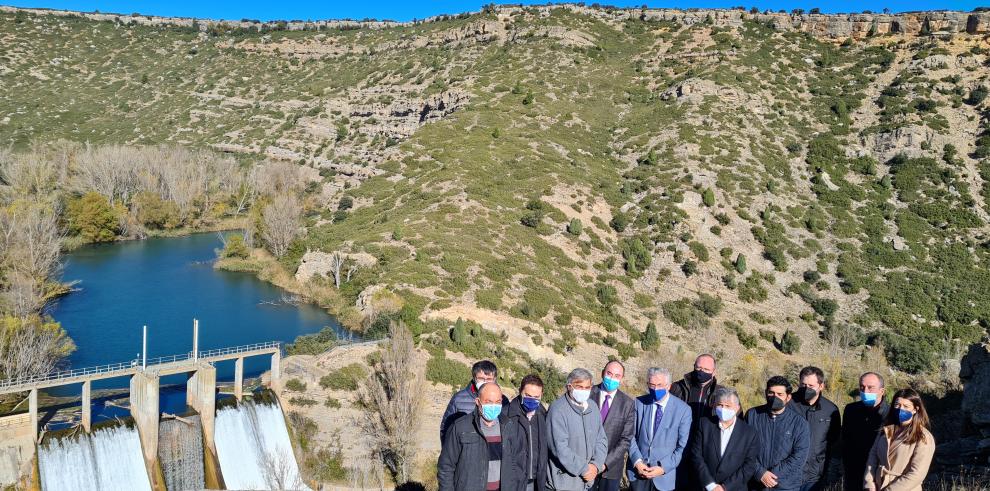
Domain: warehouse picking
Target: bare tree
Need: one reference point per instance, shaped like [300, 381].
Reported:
[29, 347]
[279, 471]
[273, 178]
[24, 294]
[282, 223]
[108, 170]
[243, 192]
[239, 186]
[392, 397]
[32, 240]
[35, 173]
[249, 232]
[336, 265]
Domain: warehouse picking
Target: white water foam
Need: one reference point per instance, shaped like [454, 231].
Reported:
[108, 458]
[253, 448]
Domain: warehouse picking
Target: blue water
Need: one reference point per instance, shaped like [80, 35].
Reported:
[165, 283]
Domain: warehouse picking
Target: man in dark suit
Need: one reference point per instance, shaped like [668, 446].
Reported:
[861, 422]
[724, 449]
[618, 412]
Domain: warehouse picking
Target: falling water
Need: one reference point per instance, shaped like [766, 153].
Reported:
[253, 448]
[180, 452]
[108, 458]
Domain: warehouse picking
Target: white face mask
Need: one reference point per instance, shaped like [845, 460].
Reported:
[580, 396]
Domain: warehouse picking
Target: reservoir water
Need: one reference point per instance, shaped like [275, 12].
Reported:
[165, 283]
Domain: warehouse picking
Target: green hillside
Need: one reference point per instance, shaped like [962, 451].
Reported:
[583, 172]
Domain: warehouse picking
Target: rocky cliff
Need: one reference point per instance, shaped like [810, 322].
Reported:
[975, 375]
[820, 25]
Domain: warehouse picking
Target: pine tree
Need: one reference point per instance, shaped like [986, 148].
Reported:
[708, 197]
[650, 338]
[459, 333]
[741, 264]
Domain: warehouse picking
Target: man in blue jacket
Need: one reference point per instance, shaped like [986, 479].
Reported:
[785, 439]
[663, 425]
[463, 402]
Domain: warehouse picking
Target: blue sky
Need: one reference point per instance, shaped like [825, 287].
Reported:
[408, 10]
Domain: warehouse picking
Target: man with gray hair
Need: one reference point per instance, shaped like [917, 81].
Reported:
[663, 425]
[577, 440]
[724, 449]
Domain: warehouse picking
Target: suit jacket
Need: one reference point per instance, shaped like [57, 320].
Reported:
[619, 426]
[740, 461]
[895, 465]
[664, 448]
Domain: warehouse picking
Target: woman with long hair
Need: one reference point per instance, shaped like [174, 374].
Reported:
[903, 450]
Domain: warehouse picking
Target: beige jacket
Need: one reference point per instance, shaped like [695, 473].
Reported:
[895, 465]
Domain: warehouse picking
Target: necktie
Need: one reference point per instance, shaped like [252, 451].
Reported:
[605, 407]
[657, 416]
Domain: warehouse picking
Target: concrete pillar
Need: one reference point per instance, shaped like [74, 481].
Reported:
[33, 411]
[239, 378]
[276, 373]
[144, 410]
[201, 395]
[87, 405]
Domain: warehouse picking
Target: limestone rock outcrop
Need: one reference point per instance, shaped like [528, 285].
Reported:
[974, 448]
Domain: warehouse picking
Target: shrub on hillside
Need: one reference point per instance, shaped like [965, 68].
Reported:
[790, 343]
[685, 314]
[295, 385]
[708, 197]
[574, 227]
[708, 304]
[445, 371]
[345, 378]
[637, 256]
[619, 222]
[607, 296]
[313, 344]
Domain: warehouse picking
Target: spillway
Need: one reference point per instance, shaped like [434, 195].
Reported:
[107, 458]
[253, 447]
[180, 453]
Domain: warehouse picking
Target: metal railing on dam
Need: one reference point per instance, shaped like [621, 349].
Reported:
[171, 363]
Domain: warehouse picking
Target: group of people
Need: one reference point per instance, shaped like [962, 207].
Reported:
[689, 434]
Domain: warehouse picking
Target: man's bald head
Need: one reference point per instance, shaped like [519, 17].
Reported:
[490, 393]
[706, 361]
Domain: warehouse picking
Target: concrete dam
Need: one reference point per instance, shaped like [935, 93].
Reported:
[238, 442]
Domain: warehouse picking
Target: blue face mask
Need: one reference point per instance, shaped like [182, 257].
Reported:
[868, 398]
[658, 394]
[724, 414]
[903, 415]
[491, 411]
[530, 404]
[610, 384]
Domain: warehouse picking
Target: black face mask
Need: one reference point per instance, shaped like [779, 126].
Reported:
[775, 403]
[807, 394]
[701, 377]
